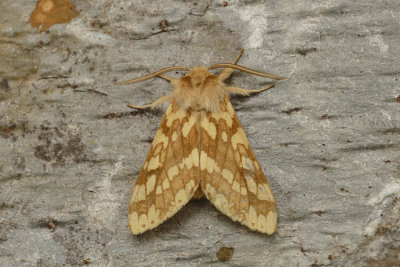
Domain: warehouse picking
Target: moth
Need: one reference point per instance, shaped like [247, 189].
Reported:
[200, 149]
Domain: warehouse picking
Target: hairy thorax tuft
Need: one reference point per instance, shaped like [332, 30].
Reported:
[199, 90]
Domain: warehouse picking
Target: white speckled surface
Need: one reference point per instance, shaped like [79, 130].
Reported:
[328, 138]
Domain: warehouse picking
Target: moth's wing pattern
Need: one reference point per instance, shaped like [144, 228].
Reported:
[170, 174]
[231, 177]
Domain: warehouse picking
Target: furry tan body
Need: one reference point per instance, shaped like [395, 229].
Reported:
[199, 90]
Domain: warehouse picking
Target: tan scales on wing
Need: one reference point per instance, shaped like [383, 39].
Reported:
[231, 177]
[169, 176]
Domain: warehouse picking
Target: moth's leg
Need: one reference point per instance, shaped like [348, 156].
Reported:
[225, 73]
[242, 91]
[154, 104]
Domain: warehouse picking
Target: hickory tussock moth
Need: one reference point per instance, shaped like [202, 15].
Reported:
[201, 148]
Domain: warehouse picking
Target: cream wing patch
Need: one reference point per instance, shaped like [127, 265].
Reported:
[231, 177]
[170, 174]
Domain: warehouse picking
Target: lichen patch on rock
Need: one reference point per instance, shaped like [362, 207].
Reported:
[50, 12]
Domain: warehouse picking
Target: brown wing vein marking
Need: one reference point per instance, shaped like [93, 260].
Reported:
[170, 174]
[231, 177]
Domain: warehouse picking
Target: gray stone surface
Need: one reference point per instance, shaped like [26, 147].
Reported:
[328, 138]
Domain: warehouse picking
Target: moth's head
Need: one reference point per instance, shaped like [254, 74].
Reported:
[197, 79]
[199, 89]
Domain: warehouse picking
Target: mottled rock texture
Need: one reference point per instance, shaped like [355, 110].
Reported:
[328, 138]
